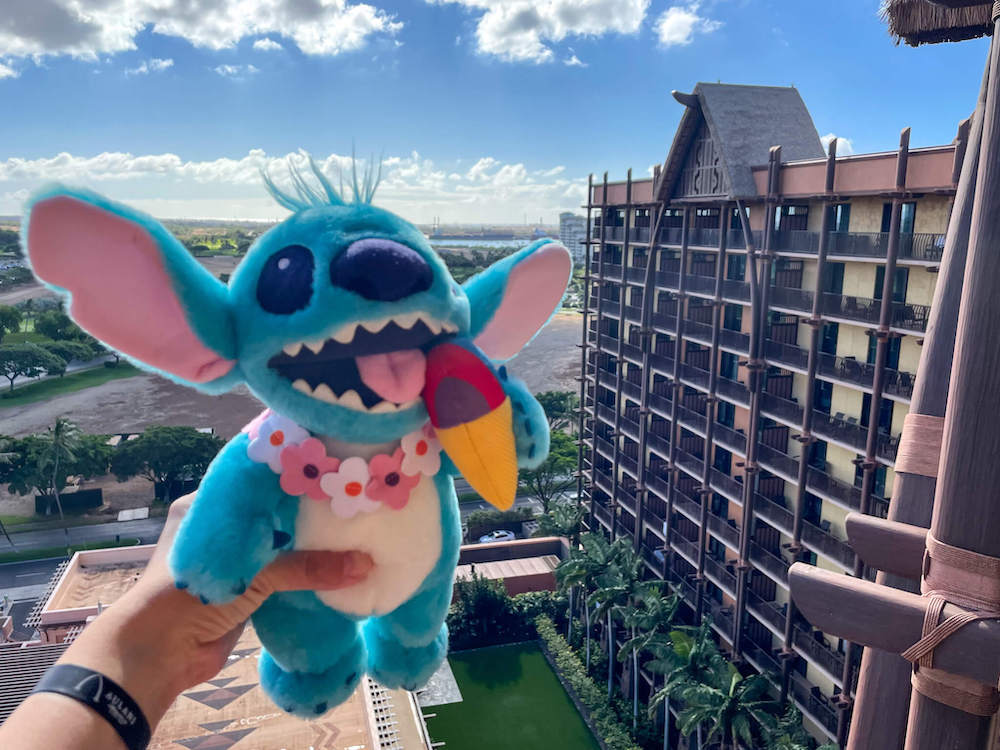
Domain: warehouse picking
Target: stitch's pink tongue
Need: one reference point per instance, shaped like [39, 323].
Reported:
[395, 376]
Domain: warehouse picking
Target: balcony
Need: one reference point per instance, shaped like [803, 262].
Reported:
[775, 567]
[919, 247]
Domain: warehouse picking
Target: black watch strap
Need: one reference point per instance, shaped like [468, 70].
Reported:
[104, 696]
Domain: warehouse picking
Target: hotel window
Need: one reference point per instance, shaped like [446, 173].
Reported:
[878, 487]
[793, 218]
[732, 317]
[706, 218]
[841, 217]
[906, 217]
[884, 412]
[726, 413]
[899, 283]
[833, 278]
[736, 267]
[823, 398]
[729, 365]
[723, 460]
[891, 355]
[828, 338]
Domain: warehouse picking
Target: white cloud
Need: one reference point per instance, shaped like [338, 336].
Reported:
[235, 71]
[267, 45]
[154, 65]
[7, 72]
[523, 30]
[678, 25]
[574, 61]
[89, 28]
[845, 146]
[412, 186]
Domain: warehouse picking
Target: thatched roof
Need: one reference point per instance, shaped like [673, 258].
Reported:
[919, 22]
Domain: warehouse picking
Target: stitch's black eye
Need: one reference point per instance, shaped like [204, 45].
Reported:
[286, 282]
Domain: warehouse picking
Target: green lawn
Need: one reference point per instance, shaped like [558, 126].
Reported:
[31, 392]
[25, 337]
[512, 700]
[46, 552]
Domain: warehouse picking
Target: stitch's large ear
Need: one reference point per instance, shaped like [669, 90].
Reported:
[131, 284]
[512, 299]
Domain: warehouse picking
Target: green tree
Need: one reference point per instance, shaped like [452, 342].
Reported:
[555, 474]
[57, 325]
[561, 408]
[582, 569]
[563, 519]
[10, 320]
[736, 709]
[56, 459]
[649, 623]
[165, 455]
[788, 732]
[29, 361]
[68, 350]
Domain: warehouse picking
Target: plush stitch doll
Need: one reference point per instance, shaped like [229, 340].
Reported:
[381, 379]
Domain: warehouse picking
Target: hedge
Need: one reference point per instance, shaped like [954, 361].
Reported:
[613, 735]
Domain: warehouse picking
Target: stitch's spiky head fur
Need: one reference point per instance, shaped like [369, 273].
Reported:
[327, 226]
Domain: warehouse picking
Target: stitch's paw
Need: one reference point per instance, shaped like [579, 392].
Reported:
[309, 694]
[396, 666]
[219, 569]
[531, 428]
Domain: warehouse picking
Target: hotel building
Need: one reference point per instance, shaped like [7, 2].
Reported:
[730, 421]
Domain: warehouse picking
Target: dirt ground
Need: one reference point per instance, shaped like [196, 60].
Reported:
[550, 362]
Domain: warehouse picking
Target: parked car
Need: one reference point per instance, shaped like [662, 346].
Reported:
[501, 535]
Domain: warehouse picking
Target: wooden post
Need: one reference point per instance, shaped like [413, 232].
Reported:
[645, 325]
[966, 513]
[583, 347]
[675, 382]
[815, 322]
[883, 697]
[705, 491]
[619, 361]
[600, 299]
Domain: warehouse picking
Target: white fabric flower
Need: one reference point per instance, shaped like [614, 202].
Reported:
[421, 454]
[274, 435]
[347, 488]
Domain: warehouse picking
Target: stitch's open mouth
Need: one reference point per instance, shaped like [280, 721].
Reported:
[375, 366]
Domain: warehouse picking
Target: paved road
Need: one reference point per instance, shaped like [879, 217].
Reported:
[31, 573]
[148, 530]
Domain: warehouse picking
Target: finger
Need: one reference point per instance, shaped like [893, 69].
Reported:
[178, 509]
[306, 570]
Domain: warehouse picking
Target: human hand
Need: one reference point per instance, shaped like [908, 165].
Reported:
[156, 640]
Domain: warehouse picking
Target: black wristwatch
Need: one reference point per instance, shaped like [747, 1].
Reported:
[104, 696]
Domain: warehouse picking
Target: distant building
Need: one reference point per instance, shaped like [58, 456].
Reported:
[573, 233]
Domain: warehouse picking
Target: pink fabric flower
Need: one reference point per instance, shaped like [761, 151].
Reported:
[388, 483]
[421, 454]
[274, 434]
[303, 466]
[253, 428]
[347, 488]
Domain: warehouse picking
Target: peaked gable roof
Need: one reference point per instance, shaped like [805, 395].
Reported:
[745, 122]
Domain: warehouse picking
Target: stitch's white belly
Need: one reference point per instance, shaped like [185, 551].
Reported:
[405, 545]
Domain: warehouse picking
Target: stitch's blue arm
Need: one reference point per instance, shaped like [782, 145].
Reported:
[531, 428]
[239, 521]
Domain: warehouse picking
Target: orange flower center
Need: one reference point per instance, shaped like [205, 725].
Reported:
[277, 437]
[421, 447]
[353, 488]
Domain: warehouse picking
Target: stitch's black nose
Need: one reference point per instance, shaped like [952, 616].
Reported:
[381, 270]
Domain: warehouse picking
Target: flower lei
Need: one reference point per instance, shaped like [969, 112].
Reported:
[351, 486]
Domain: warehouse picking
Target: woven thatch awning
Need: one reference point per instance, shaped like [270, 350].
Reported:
[919, 22]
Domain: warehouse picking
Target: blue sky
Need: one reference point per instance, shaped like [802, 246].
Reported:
[483, 109]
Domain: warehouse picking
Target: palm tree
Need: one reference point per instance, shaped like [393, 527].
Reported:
[7, 456]
[582, 570]
[692, 658]
[621, 587]
[648, 622]
[788, 732]
[737, 709]
[61, 441]
[563, 519]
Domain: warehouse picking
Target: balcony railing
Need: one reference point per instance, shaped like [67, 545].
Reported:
[919, 246]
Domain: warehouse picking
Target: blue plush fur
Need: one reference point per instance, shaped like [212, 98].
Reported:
[241, 519]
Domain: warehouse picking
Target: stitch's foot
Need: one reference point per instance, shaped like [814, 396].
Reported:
[309, 694]
[398, 666]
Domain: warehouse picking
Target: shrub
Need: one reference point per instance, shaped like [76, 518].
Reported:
[603, 718]
[480, 522]
[484, 614]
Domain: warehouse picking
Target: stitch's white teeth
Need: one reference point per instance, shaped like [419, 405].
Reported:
[449, 327]
[345, 334]
[292, 350]
[302, 386]
[432, 325]
[323, 393]
[383, 407]
[374, 326]
[408, 404]
[352, 400]
[316, 346]
[406, 321]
